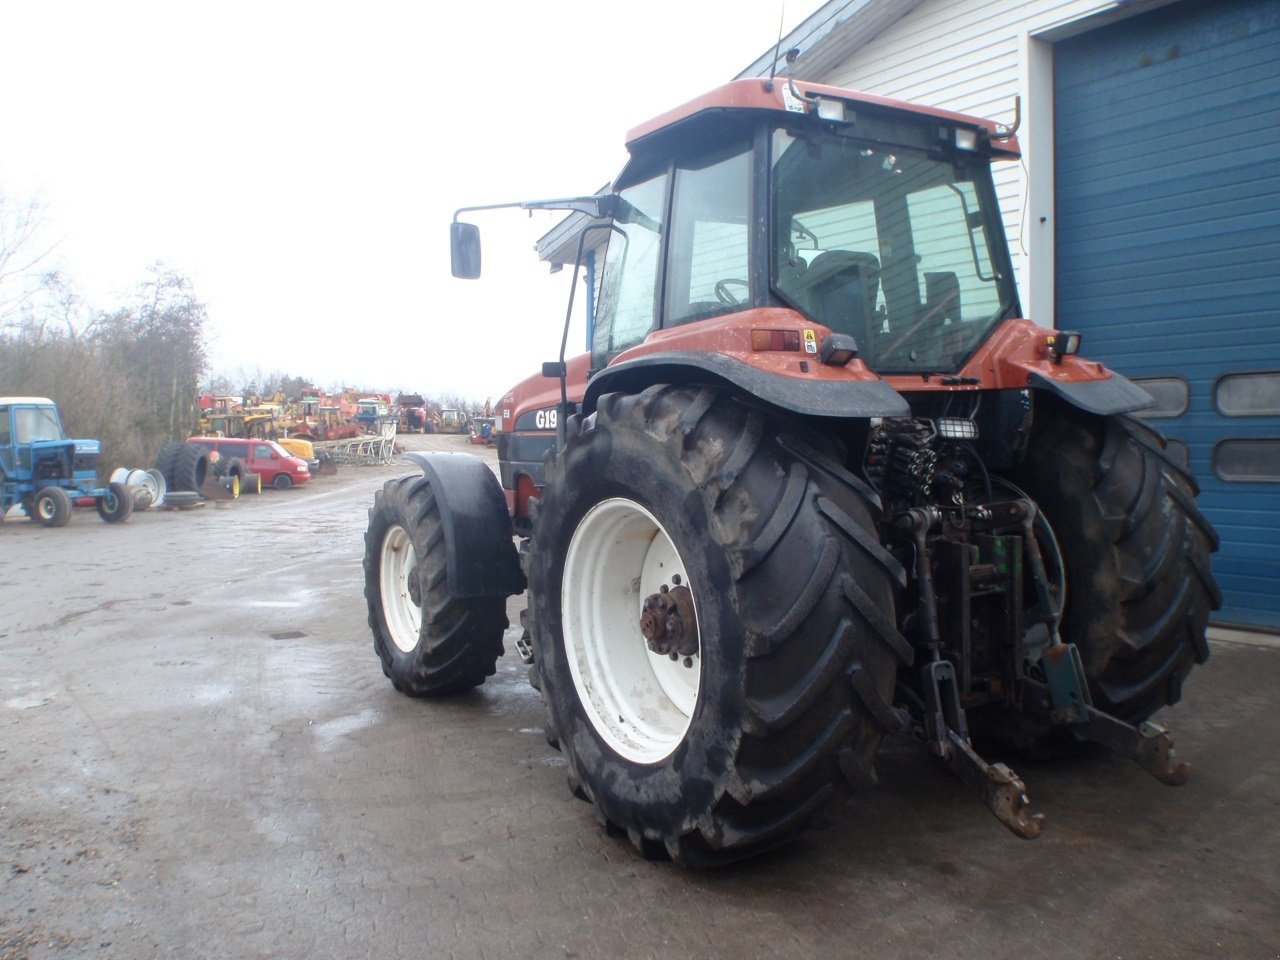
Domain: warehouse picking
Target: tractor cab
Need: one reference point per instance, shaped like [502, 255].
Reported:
[865, 220]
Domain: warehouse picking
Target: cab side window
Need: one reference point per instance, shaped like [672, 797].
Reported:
[631, 269]
[708, 262]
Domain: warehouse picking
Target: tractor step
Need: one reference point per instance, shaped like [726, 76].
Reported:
[524, 647]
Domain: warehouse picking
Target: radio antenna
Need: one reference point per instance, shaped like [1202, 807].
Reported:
[773, 67]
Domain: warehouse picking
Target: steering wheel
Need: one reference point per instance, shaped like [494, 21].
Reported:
[725, 295]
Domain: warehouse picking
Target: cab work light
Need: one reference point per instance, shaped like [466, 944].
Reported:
[1064, 343]
[966, 139]
[775, 340]
[831, 110]
[837, 349]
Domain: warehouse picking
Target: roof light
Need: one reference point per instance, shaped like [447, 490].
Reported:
[966, 139]
[831, 110]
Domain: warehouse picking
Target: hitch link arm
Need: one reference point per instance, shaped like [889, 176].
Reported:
[1000, 788]
[1148, 745]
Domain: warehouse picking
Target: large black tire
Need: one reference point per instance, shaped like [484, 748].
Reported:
[782, 711]
[190, 468]
[429, 642]
[51, 507]
[116, 506]
[166, 461]
[1139, 589]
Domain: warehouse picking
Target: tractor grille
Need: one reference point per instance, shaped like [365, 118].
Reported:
[86, 463]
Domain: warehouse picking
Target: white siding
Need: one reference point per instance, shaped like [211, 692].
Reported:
[975, 56]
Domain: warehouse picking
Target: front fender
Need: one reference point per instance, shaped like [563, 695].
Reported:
[479, 551]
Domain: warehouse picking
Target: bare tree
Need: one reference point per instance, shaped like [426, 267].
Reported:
[23, 276]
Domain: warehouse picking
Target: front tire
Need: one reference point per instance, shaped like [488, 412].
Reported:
[781, 710]
[282, 481]
[429, 642]
[1137, 549]
[116, 506]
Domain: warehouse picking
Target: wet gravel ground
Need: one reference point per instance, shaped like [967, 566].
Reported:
[200, 758]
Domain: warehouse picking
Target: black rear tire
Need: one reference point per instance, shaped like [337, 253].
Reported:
[166, 461]
[794, 605]
[1139, 585]
[429, 642]
[190, 468]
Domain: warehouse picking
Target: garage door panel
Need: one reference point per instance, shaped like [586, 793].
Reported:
[1167, 135]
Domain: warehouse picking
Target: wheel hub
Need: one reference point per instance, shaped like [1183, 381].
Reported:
[668, 622]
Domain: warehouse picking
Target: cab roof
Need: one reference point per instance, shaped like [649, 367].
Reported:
[756, 93]
[26, 401]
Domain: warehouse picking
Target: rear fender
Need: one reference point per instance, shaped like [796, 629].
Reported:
[1019, 355]
[1114, 394]
[844, 398]
[479, 551]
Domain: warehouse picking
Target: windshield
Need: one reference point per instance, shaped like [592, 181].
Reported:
[890, 245]
[36, 423]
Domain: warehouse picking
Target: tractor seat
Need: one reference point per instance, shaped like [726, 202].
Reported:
[842, 286]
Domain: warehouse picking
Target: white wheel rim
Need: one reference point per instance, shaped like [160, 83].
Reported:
[397, 564]
[640, 702]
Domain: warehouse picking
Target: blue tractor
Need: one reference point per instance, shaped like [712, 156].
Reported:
[45, 472]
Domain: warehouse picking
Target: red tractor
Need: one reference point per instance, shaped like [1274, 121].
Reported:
[816, 483]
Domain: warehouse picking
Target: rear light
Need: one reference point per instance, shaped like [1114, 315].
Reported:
[775, 340]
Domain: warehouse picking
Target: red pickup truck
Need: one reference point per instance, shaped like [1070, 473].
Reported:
[277, 467]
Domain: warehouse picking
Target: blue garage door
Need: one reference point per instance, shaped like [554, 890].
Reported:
[1168, 247]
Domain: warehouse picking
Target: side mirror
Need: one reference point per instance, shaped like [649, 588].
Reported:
[464, 250]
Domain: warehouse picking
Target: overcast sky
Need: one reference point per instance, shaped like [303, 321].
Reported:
[302, 161]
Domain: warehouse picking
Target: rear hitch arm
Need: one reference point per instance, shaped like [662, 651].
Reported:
[1000, 788]
[1149, 745]
[1066, 700]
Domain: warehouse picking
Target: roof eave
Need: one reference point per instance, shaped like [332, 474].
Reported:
[829, 36]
